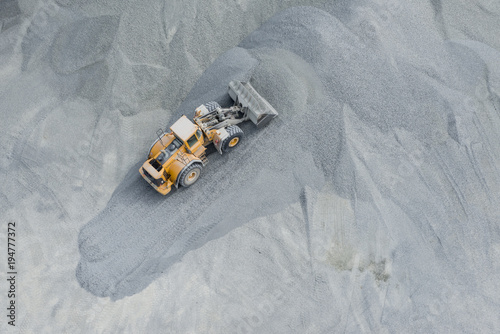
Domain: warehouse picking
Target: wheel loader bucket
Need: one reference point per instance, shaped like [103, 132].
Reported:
[258, 110]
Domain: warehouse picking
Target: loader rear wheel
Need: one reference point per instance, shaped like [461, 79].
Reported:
[190, 174]
[234, 138]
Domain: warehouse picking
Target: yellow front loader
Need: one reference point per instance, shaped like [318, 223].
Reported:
[177, 158]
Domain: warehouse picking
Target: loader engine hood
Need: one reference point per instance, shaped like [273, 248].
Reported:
[168, 151]
[153, 170]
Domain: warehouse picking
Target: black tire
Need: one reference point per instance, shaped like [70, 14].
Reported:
[211, 106]
[234, 138]
[190, 174]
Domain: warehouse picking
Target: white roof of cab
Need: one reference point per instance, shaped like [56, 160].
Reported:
[183, 128]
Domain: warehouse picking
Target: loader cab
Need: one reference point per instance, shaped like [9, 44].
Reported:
[195, 141]
[188, 133]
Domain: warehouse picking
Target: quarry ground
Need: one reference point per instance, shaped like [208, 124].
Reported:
[370, 204]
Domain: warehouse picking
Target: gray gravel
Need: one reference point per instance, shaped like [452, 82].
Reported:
[370, 204]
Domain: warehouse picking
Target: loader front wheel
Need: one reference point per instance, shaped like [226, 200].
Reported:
[190, 174]
[234, 138]
[211, 106]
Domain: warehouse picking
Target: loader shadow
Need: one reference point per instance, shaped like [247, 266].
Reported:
[141, 233]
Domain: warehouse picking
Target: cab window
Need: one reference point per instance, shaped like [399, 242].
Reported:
[191, 141]
[198, 133]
